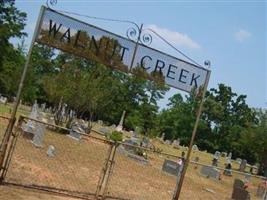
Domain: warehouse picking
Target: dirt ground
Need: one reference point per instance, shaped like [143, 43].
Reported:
[77, 166]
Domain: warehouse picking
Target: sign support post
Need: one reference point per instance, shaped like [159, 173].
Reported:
[180, 184]
[12, 120]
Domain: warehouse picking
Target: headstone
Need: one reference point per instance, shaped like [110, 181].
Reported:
[30, 126]
[113, 126]
[104, 131]
[75, 131]
[210, 172]
[168, 142]
[43, 107]
[162, 137]
[260, 191]
[100, 122]
[3, 100]
[247, 177]
[239, 160]
[214, 162]
[39, 134]
[120, 126]
[145, 142]
[195, 147]
[217, 154]
[51, 151]
[176, 143]
[129, 144]
[230, 155]
[135, 134]
[227, 171]
[243, 165]
[224, 154]
[239, 191]
[171, 167]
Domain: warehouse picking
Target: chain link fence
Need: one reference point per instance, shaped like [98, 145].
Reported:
[91, 167]
[56, 161]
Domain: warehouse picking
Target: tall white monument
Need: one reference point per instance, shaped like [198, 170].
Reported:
[120, 126]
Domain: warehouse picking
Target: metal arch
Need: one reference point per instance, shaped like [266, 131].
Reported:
[168, 43]
[136, 33]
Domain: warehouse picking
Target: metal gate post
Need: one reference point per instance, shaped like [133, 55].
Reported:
[103, 182]
[8, 132]
[11, 149]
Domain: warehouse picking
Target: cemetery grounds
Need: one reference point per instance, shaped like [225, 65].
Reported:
[78, 165]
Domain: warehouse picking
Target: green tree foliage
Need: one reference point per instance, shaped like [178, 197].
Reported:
[12, 22]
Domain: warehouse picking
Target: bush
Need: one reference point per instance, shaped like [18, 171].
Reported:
[116, 136]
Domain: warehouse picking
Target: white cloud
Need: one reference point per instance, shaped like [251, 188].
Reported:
[242, 35]
[175, 38]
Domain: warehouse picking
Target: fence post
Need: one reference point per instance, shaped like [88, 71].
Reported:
[103, 182]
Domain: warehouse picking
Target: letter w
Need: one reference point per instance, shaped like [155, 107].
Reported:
[53, 28]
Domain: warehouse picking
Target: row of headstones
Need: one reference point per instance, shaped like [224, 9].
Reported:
[239, 191]
[242, 163]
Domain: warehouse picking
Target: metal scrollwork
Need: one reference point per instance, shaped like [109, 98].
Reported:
[146, 39]
[132, 33]
[51, 3]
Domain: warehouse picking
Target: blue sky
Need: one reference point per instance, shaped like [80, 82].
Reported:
[231, 34]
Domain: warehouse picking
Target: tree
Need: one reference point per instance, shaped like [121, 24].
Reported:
[12, 22]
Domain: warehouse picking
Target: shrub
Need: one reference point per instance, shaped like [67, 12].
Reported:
[116, 136]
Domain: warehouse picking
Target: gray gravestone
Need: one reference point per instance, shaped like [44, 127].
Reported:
[30, 126]
[39, 135]
[230, 155]
[171, 167]
[3, 100]
[210, 172]
[75, 131]
[215, 162]
[228, 170]
[195, 147]
[224, 155]
[168, 142]
[239, 160]
[243, 165]
[104, 131]
[51, 151]
[162, 137]
[217, 154]
[176, 143]
[239, 193]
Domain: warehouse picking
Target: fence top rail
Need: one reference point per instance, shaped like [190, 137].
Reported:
[66, 129]
[4, 117]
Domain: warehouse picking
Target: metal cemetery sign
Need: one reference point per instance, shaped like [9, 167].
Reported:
[90, 42]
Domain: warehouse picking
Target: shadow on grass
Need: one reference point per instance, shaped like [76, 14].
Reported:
[59, 192]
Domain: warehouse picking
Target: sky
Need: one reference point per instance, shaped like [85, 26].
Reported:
[230, 34]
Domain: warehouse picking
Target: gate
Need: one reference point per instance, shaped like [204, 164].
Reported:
[61, 164]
